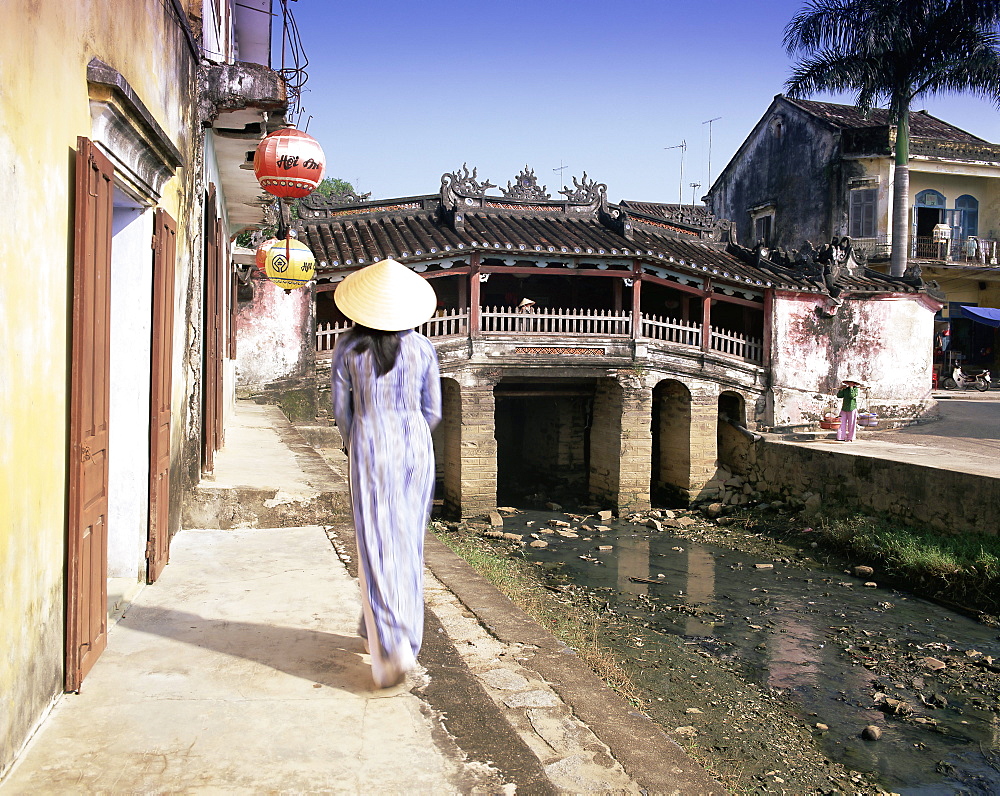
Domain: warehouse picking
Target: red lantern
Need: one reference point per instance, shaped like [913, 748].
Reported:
[289, 163]
[262, 251]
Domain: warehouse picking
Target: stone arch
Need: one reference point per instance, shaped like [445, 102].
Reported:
[731, 444]
[670, 477]
[541, 429]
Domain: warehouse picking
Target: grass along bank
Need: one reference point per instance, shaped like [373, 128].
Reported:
[961, 570]
[570, 619]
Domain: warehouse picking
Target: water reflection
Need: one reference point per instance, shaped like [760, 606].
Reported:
[700, 589]
[792, 660]
[785, 626]
[633, 562]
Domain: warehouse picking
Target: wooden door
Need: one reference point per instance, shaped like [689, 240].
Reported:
[164, 257]
[212, 366]
[221, 297]
[87, 542]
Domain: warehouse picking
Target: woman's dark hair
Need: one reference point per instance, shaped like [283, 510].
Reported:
[383, 345]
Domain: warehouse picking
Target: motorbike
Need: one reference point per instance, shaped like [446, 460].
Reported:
[960, 380]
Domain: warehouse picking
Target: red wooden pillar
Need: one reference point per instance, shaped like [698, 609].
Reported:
[636, 300]
[474, 309]
[706, 318]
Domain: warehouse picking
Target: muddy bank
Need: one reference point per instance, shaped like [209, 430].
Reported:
[766, 666]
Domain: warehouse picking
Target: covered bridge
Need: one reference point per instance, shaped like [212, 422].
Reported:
[654, 340]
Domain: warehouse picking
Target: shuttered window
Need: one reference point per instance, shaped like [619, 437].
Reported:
[862, 212]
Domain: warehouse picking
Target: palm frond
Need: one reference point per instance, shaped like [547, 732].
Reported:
[834, 72]
[895, 50]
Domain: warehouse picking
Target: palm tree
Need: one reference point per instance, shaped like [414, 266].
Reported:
[894, 51]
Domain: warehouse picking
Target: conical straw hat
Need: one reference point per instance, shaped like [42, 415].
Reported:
[387, 296]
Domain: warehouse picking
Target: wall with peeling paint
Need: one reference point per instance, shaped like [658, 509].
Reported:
[45, 106]
[274, 336]
[886, 343]
[787, 166]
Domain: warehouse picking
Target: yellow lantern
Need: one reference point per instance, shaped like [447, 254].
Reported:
[289, 264]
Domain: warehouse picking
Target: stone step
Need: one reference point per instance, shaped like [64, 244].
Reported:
[230, 507]
[269, 476]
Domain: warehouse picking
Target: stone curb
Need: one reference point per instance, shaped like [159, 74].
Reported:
[646, 753]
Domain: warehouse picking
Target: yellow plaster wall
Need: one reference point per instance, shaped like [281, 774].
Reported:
[956, 185]
[43, 108]
[984, 185]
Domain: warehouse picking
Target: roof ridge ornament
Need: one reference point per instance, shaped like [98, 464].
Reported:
[586, 192]
[322, 203]
[461, 185]
[526, 187]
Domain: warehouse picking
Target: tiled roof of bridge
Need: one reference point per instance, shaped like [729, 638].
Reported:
[419, 229]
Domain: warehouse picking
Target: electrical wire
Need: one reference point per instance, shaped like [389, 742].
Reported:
[293, 60]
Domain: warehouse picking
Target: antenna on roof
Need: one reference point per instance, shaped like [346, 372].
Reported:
[694, 187]
[560, 170]
[682, 146]
[709, 123]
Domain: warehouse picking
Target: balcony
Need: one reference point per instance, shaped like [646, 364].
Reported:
[959, 251]
[506, 323]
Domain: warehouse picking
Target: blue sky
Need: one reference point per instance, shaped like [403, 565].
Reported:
[402, 91]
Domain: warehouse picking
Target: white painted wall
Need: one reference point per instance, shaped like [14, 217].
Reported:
[131, 350]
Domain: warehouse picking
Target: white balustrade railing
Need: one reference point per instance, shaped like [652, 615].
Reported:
[599, 323]
[671, 330]
[327, 334]
[445, 323]
[736, 345]
[591, 323]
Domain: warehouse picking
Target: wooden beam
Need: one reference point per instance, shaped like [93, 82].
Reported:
[536, 271]
[636, 299]
[706, 321]
[449, 272]
[475, 322]
[659, 280]
[757, 305]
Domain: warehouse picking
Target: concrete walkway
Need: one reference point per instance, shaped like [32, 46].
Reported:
[965, 439]
[240, 671]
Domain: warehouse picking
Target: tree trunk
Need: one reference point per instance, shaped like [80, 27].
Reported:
[901, 196]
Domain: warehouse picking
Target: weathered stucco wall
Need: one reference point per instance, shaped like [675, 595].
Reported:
[788, 161]
[45, 105]
[273, 335]
[886, 343]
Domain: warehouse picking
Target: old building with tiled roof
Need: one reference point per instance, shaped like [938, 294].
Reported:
[616, 348]
[817, 170]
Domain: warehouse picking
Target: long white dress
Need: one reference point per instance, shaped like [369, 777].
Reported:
[386, 423]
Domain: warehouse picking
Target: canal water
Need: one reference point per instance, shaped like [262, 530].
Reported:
[814, 635]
